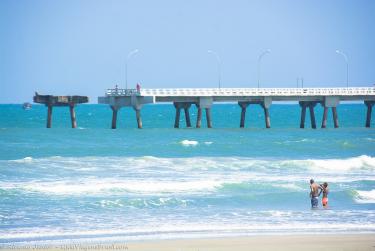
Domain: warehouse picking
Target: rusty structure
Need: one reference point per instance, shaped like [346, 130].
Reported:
[50, 101]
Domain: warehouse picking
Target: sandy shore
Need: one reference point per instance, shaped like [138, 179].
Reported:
[291, 243]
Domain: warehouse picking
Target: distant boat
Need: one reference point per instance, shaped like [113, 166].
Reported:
[26, 106]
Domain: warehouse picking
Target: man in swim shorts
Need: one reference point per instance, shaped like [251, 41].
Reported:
[314, 193]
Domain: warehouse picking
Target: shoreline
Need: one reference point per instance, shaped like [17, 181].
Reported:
[290, 242]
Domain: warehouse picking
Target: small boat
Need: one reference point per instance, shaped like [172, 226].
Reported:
[26, 106]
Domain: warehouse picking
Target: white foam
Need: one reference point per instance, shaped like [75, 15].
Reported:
[113, 186]
[189, 142]
[365, 196]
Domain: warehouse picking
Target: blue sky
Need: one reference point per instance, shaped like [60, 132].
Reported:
[80, 47]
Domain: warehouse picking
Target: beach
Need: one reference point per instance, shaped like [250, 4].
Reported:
[331, 242]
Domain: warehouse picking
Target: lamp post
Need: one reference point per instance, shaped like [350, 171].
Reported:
[218, 65]
[130, 54]
[347, 66]
[259, 59]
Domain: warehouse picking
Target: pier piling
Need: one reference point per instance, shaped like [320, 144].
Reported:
[49, 116]
[369, 105]
[139, 118]
[114, 116]
[335, 117]
[208, 117]
[199, 117]
[243, 106]
[187, 115]
[324, 120]
[312, 116]
[73, 116]
[177, 118]
[303, 115]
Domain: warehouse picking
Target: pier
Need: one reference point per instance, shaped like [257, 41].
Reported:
[50, 101]
[203, 98]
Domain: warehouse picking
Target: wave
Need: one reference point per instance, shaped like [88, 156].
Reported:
[167, 230]
[189, 142]
[364, 196]
[362, 162]
[112, 186]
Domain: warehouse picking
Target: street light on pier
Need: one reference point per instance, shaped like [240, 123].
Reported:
[259, 59]
[347, 66]
[130, 54]
[218, 65]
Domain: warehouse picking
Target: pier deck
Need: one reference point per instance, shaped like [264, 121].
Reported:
[204, 98]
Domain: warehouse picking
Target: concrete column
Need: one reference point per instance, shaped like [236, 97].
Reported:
[208, 117]
[49, 116]
[199, 117]
[139, 118]
[335, 118]
[187, 116]
[324, 120]
[303, 115]
[243, 106]
[267, 117]
[369, 105]
[177, 118]
[73, 115]
[312, 116]
[114, 116]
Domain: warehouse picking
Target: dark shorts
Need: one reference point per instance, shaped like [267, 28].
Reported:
[314, 202]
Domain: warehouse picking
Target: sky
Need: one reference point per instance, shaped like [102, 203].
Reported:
[80, 47]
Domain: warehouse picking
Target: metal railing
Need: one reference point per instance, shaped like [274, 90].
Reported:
[259, 91]
[122, 92]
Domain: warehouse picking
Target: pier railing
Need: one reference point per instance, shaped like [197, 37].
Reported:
[259, 91]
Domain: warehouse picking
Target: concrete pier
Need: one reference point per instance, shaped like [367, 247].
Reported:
[203, 98]
[50, 101]
[369, 105]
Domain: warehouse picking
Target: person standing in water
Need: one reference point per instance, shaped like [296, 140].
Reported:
[314, 193]
[325, 190]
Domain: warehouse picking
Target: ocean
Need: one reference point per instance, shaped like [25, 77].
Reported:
[95, 184]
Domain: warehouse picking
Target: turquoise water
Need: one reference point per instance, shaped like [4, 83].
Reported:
[97, 184]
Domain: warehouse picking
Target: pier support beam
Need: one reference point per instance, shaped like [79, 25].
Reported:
[324, 120]
[179, 106]
[187, 116]
[114, 116]
[208, 117]
[335, 118]
[310, 105]
[369, 105]
[312, 116]
[139, 118]
[199, 117]
[266, 116]
[73, 115]
[177, 118]
[243, 106]
[49, 116]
